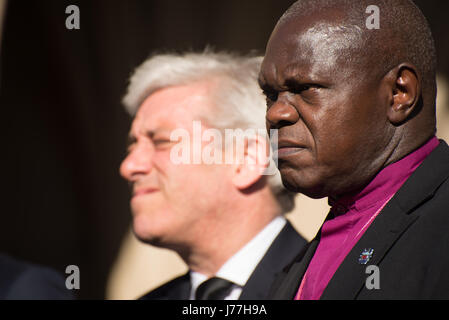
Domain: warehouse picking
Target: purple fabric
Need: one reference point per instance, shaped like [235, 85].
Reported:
[353, 215]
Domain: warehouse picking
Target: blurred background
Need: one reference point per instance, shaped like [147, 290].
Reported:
[63, 201]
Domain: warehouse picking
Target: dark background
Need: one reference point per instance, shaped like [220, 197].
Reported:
[64, 127]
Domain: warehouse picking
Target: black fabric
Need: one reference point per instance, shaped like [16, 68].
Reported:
[286, 284]
[213, 289]
[176, 289]
[287, 245]
[20, 280]
[409, 238]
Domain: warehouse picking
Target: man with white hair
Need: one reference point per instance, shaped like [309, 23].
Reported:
[222, 214]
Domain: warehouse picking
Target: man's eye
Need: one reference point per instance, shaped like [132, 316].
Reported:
[162, 142]
[305, 87]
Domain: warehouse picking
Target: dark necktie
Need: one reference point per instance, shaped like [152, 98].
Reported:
[213, 289]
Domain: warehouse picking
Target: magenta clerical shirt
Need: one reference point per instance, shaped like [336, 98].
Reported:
[352, 216]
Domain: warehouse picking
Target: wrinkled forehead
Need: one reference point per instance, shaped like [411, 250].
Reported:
[318, 47]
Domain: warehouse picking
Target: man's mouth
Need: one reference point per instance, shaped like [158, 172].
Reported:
[286, 148]
[143, 191]
[287, 151]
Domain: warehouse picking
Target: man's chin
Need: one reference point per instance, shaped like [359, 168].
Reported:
[148, 239]
[144, 235]
[302, 186]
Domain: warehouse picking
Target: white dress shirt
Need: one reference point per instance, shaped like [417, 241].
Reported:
[241, 265]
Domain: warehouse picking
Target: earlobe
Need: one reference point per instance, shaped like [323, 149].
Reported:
[406, 91]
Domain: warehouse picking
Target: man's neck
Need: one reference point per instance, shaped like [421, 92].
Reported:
[388, 180]
[239, 267]
[212, 250]
[396, 150]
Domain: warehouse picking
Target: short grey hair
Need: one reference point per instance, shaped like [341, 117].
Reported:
[238, 99]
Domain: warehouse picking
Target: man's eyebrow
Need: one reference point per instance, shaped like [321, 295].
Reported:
[293, 82]
[132, 138]
[292, 77]
[293, 74]
[148, 133]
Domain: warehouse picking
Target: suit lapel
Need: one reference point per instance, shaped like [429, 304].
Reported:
[176, 289]
[350, 277]
[281, 252]
[287, 284]
[392, 222]
[183, 291]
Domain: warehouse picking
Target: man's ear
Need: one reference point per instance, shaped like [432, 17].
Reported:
[405, 93]
[252, 163]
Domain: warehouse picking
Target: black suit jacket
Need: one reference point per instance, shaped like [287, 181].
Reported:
[24, 281]
[281, 252]
[410, 239]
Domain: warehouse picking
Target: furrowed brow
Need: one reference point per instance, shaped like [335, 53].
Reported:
[293, 74]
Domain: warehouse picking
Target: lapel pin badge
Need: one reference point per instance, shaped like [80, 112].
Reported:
[366, 255]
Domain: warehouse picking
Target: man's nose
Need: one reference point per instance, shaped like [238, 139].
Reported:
[281, 113]
[137, 163]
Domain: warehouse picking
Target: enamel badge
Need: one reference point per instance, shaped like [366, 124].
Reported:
[366, 255]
